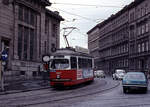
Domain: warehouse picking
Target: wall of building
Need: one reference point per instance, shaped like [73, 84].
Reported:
[125, 45]
[23, 31]
[139, 36]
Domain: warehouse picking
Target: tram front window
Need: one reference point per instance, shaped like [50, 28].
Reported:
[60, 63]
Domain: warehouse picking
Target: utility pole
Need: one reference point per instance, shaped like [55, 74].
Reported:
[66, 34]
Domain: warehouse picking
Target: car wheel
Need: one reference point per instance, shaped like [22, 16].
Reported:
[145, 90]
[124, 90]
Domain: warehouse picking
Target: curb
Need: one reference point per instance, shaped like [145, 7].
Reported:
[20, 91]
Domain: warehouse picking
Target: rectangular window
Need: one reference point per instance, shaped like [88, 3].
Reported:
[146, 27]
[146, 9]
[20, 13]
[139, 48]
[89, 63]
[126, 62]
[32, 18]
[31, 43]
[138, 13]
[143, 11]
[132, 33]
[124, 48]
[127, 47]
[143, 48]
[143, 29]
[20, 35]
[139, 30]
[131, 48]
[26, 15]
[46, 25]
[139, 64]
[82, 62]
[73, 62]
[54, 30]
[147, 46]
[26, 36]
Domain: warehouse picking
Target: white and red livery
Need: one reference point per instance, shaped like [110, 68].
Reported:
[69, 67]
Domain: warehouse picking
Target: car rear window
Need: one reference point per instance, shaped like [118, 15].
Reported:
[120, 71]
[135, 77]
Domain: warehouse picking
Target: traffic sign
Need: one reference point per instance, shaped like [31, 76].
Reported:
[4, 55]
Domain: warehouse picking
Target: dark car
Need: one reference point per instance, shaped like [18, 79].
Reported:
[134, 80]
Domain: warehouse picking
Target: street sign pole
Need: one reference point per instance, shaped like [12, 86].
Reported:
[2, 75]
[4, 57]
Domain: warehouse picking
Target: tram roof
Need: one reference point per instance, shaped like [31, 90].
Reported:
[70, 51]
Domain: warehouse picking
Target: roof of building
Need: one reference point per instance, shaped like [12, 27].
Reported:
[54, 14]
[113, 16]
[45, 2]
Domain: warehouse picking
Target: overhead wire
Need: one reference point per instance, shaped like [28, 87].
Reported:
[110, 6]
[76, 15]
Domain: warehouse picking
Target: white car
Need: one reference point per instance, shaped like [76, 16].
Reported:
[99, 74]
[119, 74]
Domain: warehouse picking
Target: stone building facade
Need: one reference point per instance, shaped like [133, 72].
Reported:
[123, 39]
[30, 31]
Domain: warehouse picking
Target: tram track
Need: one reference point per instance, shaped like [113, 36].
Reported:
[56, 96]
[50, 101]
[66, 98]
[135, 105]
[54, 92]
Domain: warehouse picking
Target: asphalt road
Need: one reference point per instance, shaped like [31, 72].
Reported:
[100, 93]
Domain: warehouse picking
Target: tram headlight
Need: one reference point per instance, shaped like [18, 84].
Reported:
[58, 76]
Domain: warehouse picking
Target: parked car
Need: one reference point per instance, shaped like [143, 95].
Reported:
[95, 73]
[134, 80]
[99, 74]
[119, 74]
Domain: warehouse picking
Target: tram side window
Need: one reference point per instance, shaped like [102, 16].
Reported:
[73, 62]
[85, 63]
[82, 63]
[90, 63]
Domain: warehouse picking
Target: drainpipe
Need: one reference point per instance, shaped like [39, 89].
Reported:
[14, 22]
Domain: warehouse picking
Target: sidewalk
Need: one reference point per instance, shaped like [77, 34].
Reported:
[24, 85]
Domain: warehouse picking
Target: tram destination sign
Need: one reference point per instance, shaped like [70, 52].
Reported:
[81, 49]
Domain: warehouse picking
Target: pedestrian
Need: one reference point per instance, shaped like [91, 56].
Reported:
[45, 72]
[44, 75]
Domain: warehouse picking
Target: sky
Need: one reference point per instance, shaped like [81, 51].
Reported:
[84, 15]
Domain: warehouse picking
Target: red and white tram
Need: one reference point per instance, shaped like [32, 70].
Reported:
[69, 67]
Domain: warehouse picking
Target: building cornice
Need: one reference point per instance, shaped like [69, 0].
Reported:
[45, 2]
[54, 14]
[41, 2]
[114, 16]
